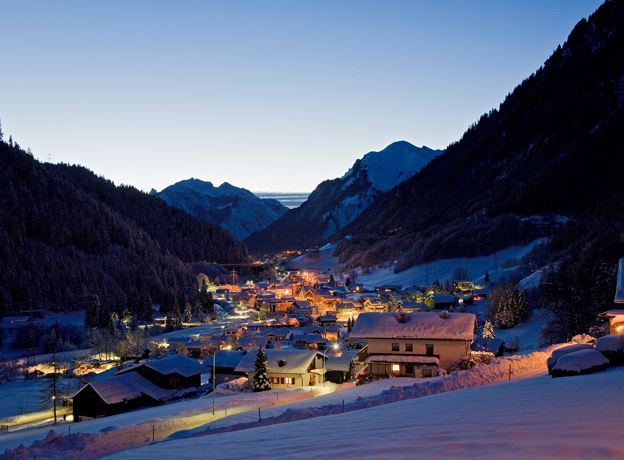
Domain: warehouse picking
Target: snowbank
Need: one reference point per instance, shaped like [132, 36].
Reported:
[552, 360]
[536, 417]
[580, 362]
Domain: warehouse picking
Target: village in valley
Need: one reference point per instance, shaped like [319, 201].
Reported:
[362, 230]
[301, 334]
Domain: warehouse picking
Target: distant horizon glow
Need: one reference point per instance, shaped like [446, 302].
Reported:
[271, 96]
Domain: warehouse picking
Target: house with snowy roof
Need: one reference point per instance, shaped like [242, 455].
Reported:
[616, 316]
[225, 362]
[288, 367]
[172, 371]
[117, 394]
[414, 344]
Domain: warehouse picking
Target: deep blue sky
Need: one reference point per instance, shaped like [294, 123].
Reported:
[273, 95]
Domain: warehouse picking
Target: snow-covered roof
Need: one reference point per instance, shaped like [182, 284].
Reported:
[444, 298]
[176, 364]
[342, 362]
[619, 290]
[402, 359]
[292, 361]
[420, 325]
[127, 387]
[226, 359]
[484, 344]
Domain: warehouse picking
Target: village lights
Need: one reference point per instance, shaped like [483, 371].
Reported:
[336, 346]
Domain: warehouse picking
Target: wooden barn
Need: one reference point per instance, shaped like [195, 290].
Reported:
[117, 394]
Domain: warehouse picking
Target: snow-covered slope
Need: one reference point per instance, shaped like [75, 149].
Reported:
[442, 270]
[336, 203]
[235, 209]
[537, 417]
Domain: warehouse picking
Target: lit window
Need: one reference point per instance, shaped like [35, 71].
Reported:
[396, 368]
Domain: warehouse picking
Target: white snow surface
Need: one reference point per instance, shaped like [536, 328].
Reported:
[536, 417]
[396, 163]
[292, 361]
[613, 343]
[442, 270]
[324, 259]
[134, 429]
[566, 350]
[580, 360]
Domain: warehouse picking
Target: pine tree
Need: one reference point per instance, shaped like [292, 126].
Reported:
[349, 324]
[188, 313]
[261, 380]
[512, 308]
[488, 330]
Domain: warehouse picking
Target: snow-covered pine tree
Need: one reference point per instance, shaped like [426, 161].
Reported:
[261, 380]
[512, 308]
[488, 330]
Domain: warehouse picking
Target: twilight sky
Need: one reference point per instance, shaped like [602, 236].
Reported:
[267, 95]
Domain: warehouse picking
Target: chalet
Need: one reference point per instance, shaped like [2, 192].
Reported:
[225, 362]
[172, 371]
[287, 367]
[414, 344]
[309, 341]
[327, 320]
[616, 316]
[389, 288]
[444, 301]
[159, 319]
[339, 365]
[408, 306]
[117, 394]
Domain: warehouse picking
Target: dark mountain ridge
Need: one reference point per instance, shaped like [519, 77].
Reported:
[552, 148]
[337, 202]
[67, 234]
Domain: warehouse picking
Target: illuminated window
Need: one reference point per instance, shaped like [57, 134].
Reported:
[395, 347]
[290, 380]
[396, 368]
[276, 380]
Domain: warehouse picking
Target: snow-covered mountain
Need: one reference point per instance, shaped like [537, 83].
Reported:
[336, 203]
[235, 209]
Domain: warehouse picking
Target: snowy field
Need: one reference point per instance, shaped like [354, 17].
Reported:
[442, 270]
[539, 417]
[323, 260]
[92, 439]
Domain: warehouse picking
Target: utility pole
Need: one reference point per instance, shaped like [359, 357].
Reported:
[214, 380]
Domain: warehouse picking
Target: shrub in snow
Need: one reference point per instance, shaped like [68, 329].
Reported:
[474, 360]
[580, 362]
[559, 352]
[612, 346]
[584, 338]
